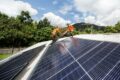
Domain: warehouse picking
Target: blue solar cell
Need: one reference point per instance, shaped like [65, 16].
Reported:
[82, 51]
[11, 68]
[9, 75]
[77, 51]
[81, 47]
[81, 44]
[75, 74]
[96, 58]
[65, 72]
[93, 52]
[106, 65]
[55, 62]
[85, 77]
[114, 74]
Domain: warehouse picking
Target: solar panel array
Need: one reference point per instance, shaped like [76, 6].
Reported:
[10, 69]
[79, 59]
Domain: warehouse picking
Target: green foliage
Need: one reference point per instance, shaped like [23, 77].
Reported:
[88, 30]
[25, 17]
[4, 55]
[117, 27]
[22, 31]
[75, 32]
[43, 34]
[43, 23]
[110, 29]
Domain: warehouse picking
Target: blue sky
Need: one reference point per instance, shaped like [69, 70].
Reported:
[60, 12]
[45, 6]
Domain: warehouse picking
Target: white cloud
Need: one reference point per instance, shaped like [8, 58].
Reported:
[90, 19]
[14, 7]
[65, 9]
[77, 18]
[110, 19]
[55, 20]
[83, 5]
[105, 11]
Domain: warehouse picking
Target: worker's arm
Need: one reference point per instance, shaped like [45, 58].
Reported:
[53, 33]
[64, 32]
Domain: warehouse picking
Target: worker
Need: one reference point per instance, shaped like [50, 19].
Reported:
[56, 33]
[69, 30]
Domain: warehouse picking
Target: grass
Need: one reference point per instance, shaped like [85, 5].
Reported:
[3, 55]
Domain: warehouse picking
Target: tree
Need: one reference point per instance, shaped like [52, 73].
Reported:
[4, 20]
[43, 34]
[25, 17]
[110, 29]
[43, 23]
[117, 27]
[88, 30]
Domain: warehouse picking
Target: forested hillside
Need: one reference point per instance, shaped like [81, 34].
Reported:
[92, 28]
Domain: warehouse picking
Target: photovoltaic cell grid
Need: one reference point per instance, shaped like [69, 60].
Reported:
[12, 68]
[79, 59]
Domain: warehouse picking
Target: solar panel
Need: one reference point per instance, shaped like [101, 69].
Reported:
[79, 59]
[10, 69]
[114, 73]
[69, 59]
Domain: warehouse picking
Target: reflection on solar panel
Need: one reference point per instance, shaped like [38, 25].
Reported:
[79, 59]
[10, 69]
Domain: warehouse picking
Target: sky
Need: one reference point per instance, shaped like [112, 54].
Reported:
[60, 12]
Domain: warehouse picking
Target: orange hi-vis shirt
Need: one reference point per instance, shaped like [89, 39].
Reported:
[70, 28]
[56, 30]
